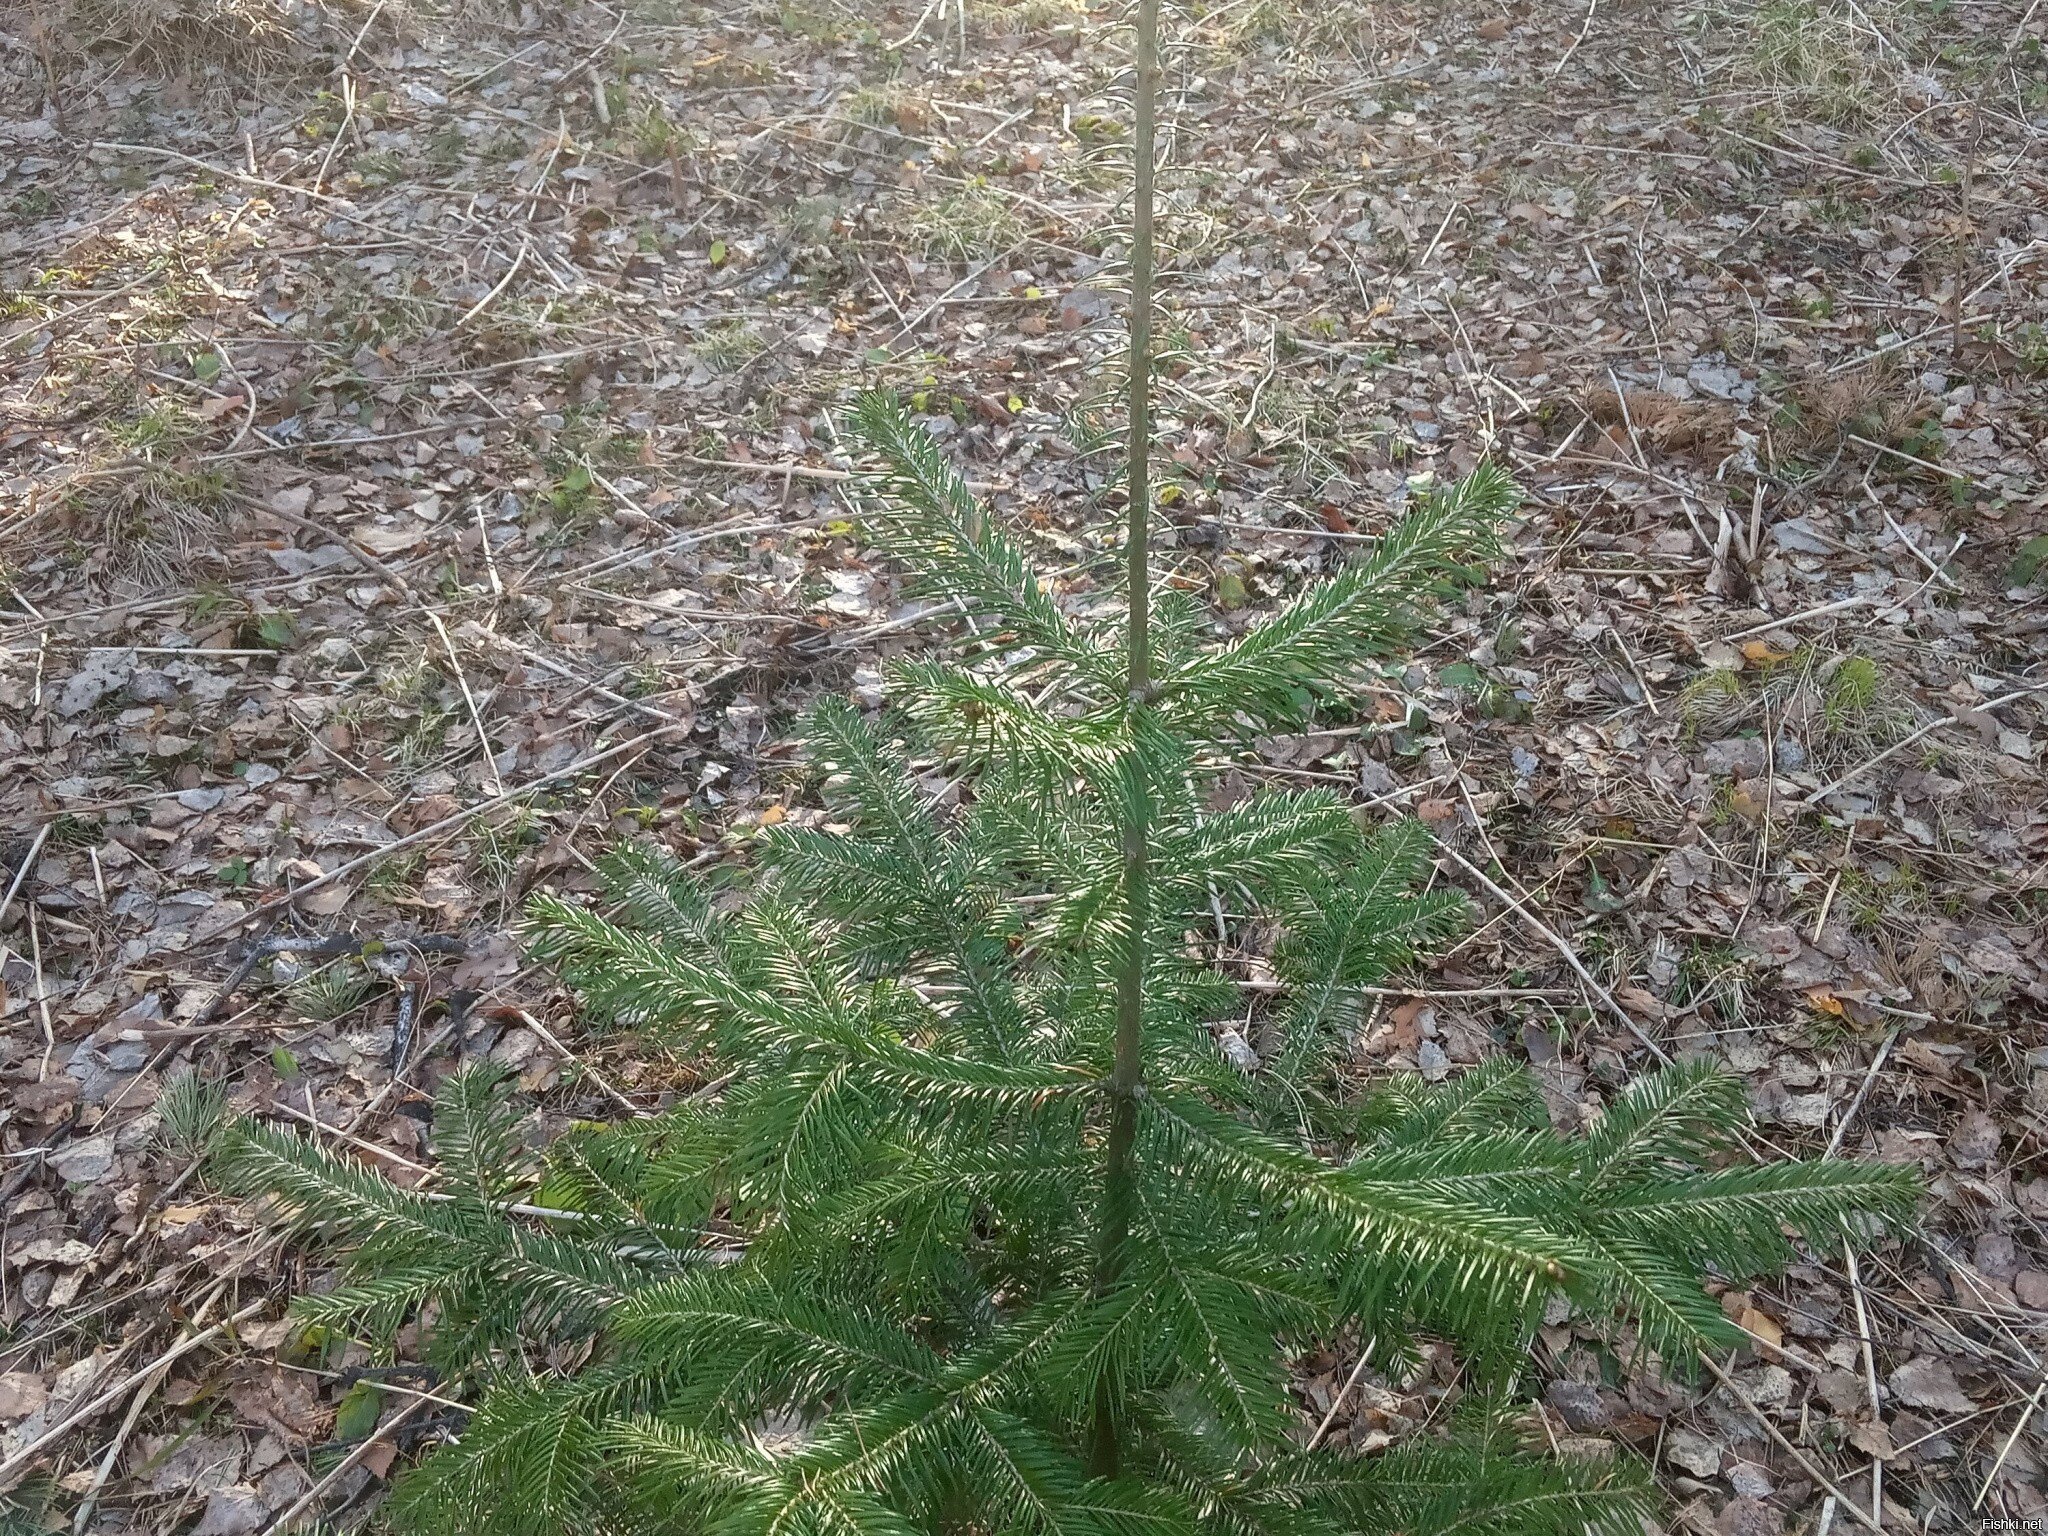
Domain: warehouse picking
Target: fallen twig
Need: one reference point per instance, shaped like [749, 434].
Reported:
[1778, 1438]
[447, 823]
[121, 1388]
[311, 1496]
[1557, 943]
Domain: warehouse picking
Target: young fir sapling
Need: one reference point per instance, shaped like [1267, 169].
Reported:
[981, 1232]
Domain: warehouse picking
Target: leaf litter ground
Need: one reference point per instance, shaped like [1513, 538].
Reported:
[419, 471]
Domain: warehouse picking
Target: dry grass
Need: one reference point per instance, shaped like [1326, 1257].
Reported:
[1822, 60]
[1025, 17]
[972, 224]
[217, 39]
[155, 517]
[1873, 403]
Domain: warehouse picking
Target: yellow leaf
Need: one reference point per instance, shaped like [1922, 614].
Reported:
[1763, 651]
[1762, 1325]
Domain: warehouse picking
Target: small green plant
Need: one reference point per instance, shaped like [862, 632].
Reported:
[1706, 699]
[396, 876]
[728, 346]
[876, 106]
[2027, 562]
[1852, 689]
[2030, 348]
[331, 992]
[496, 846]
[190, 1112]
[1816, 56]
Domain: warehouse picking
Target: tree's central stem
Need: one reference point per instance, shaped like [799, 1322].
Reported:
[1127, 1074]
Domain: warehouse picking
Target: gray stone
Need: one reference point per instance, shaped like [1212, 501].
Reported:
[1741, 757]
[102, 673]
[1692, 1452]
[1578, 1404]
[84, 1162]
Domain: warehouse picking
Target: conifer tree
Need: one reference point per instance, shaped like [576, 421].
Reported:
[993, 1223]
[983, 1231]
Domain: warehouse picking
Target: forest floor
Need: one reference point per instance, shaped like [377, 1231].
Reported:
[417, 470]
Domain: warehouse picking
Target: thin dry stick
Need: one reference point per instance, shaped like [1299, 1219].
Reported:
[1862, 600]
[1897, 747]
[476, 715]
[1855, 1272]
[348, 118]
[1862, 1093]
[28, 862]
[1806, 1465]
[1844, 605]
[448, 823]
[2011, 1440]
[1585, 27]
[121, 1388]
[311, 1496]
[136, 1404]
[1343, 1392]
[1869, 1368]
[584, 1067]
[362, 557]
[1571, 958]
[503, 283]
[546, 664]
[35, 954]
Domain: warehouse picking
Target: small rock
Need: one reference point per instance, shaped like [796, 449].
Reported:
[1691, 1452]
[1720, 380]
[232, 1511]
[1237, 1052]
[1749, 1480]
[103, 673]
[1996, 1256]
[1843, 1390]
[1769, 1386]
[84, 1162]
[1737, 756]
[1929, 1383]
[1080, 307]
[149, 686]
[1975, 1142]
[21, 1394]
[1578, 1404]
[1800, 537]
[1749, 1517]
[52, 1250]
[1434, 1064]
